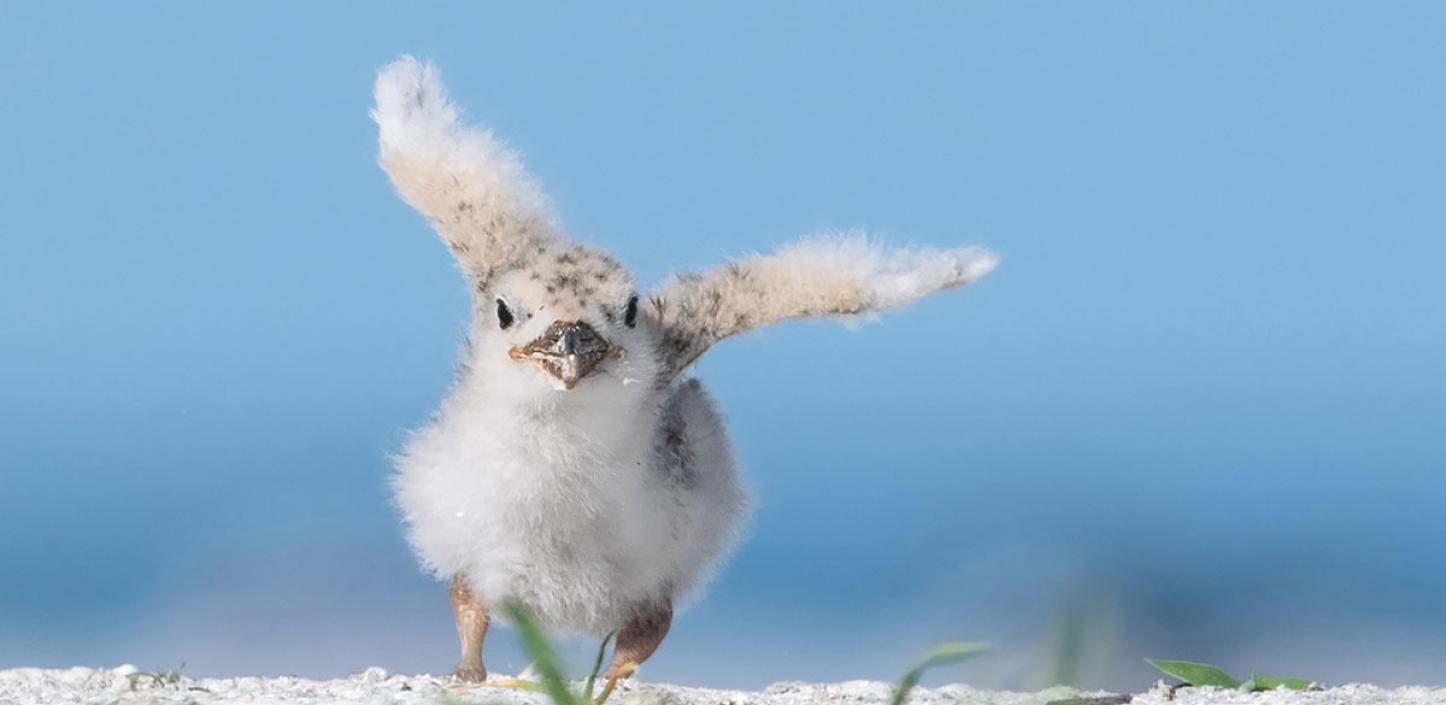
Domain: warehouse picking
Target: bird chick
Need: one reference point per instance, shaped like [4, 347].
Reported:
[573, 467]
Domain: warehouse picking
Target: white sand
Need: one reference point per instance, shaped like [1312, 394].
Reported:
[124, 685]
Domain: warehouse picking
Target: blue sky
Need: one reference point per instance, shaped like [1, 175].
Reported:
[1201, 401]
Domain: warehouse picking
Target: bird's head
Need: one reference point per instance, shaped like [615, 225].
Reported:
[567, 319]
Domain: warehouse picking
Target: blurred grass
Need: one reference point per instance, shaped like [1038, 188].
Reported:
[544, 658]
[159, 679]
[941, 655]
[597, 663]
[1084, 631]
[1192, 673]
[549, 669]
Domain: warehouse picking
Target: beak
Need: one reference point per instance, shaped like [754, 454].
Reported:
[567, 351]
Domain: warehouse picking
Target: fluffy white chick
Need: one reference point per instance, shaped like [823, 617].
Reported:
[573, 467]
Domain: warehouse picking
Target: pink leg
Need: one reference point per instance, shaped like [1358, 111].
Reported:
[472, 623]
[639, 638]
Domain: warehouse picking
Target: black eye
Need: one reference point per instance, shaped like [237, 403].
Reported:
[504, 314]
[630, 316]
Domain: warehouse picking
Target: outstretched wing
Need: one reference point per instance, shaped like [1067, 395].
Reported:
[847, 276]
[487, 209]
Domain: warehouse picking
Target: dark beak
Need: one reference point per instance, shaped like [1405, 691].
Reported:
[567, 351]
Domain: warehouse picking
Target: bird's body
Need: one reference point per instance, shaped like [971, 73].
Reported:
[574, 467]
[582, 511]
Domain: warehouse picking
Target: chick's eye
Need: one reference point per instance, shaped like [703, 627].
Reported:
[630, 316]
[504, 315]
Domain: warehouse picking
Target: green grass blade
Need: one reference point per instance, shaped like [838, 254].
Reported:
[526, 685]
[543, 657]
[602, 650]
[1195, 673]
[941, 655]
[1273, 682]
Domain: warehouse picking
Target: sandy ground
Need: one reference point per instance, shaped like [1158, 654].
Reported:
[124, 685]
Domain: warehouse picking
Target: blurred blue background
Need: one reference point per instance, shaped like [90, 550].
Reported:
[1199, 411]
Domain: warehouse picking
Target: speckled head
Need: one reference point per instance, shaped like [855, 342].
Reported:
[569, 312]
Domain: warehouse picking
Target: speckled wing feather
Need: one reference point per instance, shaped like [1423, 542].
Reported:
[820, 277]
[489, 212]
